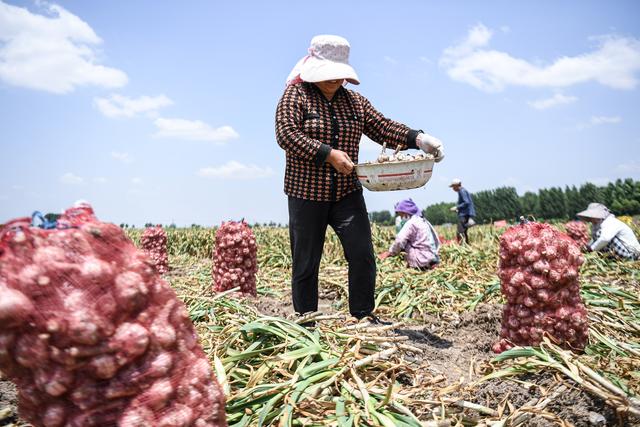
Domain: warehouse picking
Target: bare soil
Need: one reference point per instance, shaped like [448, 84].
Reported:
[572, 405]
[453, 346]
[8, 403]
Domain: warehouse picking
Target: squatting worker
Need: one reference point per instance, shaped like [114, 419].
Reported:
[609, 234]
[465, 209]
[417, 238]
[319, 124]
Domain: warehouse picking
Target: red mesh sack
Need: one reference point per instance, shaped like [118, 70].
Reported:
[92, 336]
[154, 243]
[577, 230]
[235, 260]
[538, 272]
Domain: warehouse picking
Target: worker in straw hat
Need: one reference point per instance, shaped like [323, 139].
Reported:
[465, 209]
[417, 238]
[609, 234]
[319, 125]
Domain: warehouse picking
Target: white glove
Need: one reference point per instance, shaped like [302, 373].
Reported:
[453, 209]
[430, 144]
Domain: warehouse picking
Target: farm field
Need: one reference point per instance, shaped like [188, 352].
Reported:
[432, 367]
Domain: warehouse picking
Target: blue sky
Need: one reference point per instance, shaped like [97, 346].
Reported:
[159, 111]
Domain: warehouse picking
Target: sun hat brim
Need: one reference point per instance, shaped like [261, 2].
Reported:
[592, 214]
[319, 70]
[597, 213]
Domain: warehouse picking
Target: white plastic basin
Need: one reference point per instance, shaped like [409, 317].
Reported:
[390, 176]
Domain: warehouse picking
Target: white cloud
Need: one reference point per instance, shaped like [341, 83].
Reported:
[604, 120]
[72, 179]
[122, 156]
[235, 170]
[554, 101]
[54, 52]
[614, 62]
[192, 130]
[631, 167]
[136, 181]
[100, 180]
[599, 120]
[390, 60]
[121, 106]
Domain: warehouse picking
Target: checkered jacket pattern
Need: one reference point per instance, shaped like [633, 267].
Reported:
[618, 248]
[308, 126]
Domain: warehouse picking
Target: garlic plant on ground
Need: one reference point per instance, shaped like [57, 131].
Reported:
[262, 359]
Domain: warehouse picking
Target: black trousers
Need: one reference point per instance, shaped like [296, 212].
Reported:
[308, 222]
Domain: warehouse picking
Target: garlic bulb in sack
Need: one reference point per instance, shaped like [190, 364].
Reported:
[154, 243]
[577, 230]
[235, 258]
[92, 335]
[538, 272]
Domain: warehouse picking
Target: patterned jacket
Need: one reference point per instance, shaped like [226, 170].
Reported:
[308, 126]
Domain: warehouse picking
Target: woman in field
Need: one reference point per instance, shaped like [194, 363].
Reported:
[609, 234]
[319, 124]
[417, 238]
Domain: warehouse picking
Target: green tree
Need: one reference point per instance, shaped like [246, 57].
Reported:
[553, 203]
[622, 197]
[590, 193]
[489, 205]
[530, 204]
[574, 201]
[508, 203]
[440, 213]
[381, 217]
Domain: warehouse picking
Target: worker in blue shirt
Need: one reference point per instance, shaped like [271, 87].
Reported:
[466, 210]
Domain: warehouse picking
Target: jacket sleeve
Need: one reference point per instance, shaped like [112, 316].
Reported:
[381, 129]
[289, 129]
[404, 236]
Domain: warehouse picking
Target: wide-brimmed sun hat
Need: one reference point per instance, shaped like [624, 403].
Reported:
[595, 210]
[328, 59]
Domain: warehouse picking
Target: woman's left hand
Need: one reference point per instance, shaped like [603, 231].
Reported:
[430, 144]
[384, 255]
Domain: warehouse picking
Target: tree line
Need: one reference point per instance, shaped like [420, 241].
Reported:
[622, 197]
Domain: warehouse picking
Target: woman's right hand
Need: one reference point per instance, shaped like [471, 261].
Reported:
[340, 161]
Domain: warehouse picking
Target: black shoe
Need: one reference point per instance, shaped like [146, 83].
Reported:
[309, 325]
[375, 320]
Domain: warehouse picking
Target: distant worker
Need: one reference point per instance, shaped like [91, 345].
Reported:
[466, 210]
[417, 238]
[609, 234]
